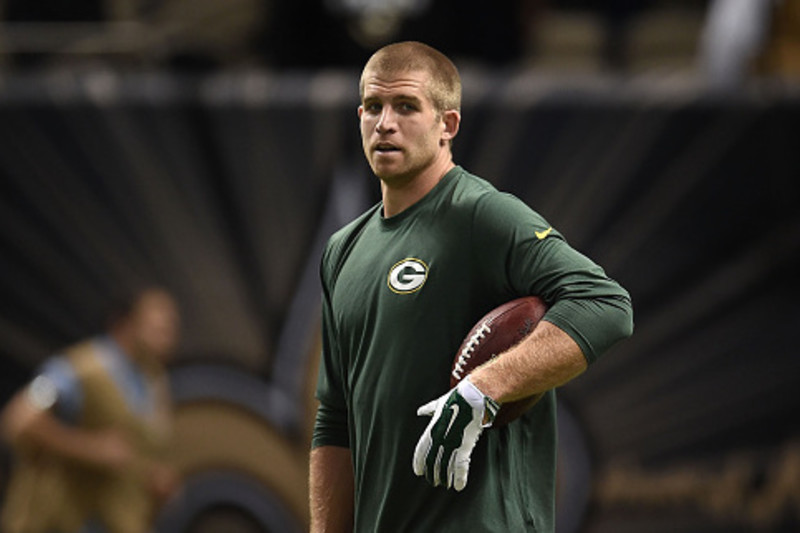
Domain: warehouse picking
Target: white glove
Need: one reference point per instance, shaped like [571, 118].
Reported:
[443, 451]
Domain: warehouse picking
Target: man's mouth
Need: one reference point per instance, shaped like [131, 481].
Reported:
[385, 148]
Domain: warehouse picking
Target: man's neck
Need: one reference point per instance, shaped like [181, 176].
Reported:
[399, 197]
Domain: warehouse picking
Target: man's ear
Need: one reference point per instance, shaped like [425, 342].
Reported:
[452, 120]
[360, 111]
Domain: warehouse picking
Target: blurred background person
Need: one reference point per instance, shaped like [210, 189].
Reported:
[91, 429]
[746, 39]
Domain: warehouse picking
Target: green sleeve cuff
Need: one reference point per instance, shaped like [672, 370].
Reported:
[594, 324]
[330, 428]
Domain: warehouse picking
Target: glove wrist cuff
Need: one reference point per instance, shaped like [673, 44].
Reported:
[477, 399]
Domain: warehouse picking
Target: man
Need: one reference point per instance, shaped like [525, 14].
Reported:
[90, 430]
[402, 285]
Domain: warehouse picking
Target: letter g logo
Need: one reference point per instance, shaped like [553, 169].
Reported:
[407, 276]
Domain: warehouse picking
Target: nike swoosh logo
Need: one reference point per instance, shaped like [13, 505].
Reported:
[542, 234]
[454, 410]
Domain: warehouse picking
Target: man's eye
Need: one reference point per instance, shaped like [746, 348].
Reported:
[373, 108]
[407, 107]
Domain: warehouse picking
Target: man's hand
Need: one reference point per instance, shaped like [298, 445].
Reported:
[443, 452]
[163, 481]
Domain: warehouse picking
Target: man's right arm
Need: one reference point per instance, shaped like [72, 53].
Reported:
[331, 477]
[27, 424]
[331, 489]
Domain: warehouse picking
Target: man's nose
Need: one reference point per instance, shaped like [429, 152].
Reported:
[386, 122]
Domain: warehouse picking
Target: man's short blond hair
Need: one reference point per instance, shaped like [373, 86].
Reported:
[444, 88]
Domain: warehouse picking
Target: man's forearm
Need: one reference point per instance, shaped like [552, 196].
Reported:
[546, 359]
[28, 425]
[331, 490]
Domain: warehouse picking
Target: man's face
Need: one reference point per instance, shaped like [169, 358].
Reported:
[400, 131]
[156, 323]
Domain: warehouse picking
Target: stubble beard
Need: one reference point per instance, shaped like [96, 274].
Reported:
[406, 171]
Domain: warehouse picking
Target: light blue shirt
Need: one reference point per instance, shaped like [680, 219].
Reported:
[126, 374]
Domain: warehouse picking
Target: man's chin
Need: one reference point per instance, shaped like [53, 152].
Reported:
[387, 171]
[393, 177]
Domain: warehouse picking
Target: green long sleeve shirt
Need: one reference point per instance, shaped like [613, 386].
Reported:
[399, 294]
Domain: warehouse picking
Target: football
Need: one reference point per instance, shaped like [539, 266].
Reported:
[500, 329]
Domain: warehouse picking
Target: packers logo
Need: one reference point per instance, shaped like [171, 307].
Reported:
[407, 276]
